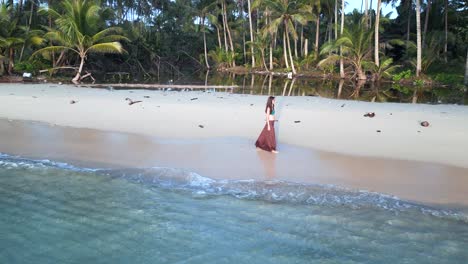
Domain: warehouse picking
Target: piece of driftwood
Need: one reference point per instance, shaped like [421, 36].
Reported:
[157, 86]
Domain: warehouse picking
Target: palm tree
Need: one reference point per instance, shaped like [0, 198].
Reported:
[78, 31]
[355, 45]
[10, 36]
[203, 9]
[285, 13]
[418, 38]
[446, 28]
[342, 73]
[317, 10]
[376, 33]
[466, 69]
[251, 33]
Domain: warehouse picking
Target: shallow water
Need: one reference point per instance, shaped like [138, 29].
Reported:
[56, 213]
[327, 88]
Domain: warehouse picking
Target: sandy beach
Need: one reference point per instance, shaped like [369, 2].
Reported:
[321, 141]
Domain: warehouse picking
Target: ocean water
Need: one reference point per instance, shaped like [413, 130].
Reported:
[56, 213]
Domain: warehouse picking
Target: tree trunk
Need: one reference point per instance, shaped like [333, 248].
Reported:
[271, 55]
[204, 42]
[317, 36]
[219, 38]
[466, 69]
[285, 50]
[336, 19]
[27, 31]
[366, 14]
[418, 38]
[244, 48]
[77, 77]
[11, 61]
[263, 59]
[2, 68]
[251, 34]
[342, 73]
[54, 62]
[230, 38]
[426, 21]
[306, 47]
[226, 46]
[289, 49]
[415, 96]
[302, 41]
[361, 75]
[340, 89]
[295, 42]
[376, 43]
[446, 30]
[408, 28]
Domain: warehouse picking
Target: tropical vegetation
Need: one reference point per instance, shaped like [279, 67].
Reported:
[150, 39]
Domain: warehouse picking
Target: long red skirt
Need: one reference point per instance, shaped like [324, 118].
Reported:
[267, 139]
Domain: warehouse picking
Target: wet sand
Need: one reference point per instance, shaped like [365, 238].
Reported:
[308, 122]
[236, 158]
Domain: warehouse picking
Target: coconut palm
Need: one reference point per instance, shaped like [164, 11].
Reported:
[10, 36]
[355, 43]
[78, 31]
[284, 14]
[251, 33]
[376, 33]
[385, 68]
[418, 38]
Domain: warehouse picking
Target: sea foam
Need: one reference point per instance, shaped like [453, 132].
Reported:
[267, 191]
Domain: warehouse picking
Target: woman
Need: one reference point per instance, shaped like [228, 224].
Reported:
[267, 140]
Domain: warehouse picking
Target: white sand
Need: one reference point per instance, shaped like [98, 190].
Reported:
[325, 125]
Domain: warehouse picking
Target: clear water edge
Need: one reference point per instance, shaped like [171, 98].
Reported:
[55, 212]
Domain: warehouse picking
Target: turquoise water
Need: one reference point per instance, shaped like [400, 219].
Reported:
[56, 213]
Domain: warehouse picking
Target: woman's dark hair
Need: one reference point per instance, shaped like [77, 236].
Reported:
[270, 104]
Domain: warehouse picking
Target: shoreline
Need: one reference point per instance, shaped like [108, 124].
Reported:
[213, 134]
[312, 122]
[234, 159]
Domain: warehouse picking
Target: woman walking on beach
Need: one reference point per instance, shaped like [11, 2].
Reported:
[267, 140]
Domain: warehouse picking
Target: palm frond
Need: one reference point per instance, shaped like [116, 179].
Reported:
[112, 38]
[106, 32]
[332, 59]
[47, 50]
[109, 47]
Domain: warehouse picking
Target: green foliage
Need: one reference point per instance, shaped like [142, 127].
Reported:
[404, 75]
[79, 30]
[419, 82]
[384, 70]
[449, 78]
[356, 46]
[32, 66]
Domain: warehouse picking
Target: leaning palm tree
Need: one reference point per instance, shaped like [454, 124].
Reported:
[78, 31]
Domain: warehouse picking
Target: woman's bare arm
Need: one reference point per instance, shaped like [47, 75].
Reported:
[268, 117]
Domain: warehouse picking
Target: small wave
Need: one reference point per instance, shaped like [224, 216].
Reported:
[269, 191]
[275, 191]
[11, 162]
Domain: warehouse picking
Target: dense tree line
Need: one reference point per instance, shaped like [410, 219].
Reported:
[154, 37]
